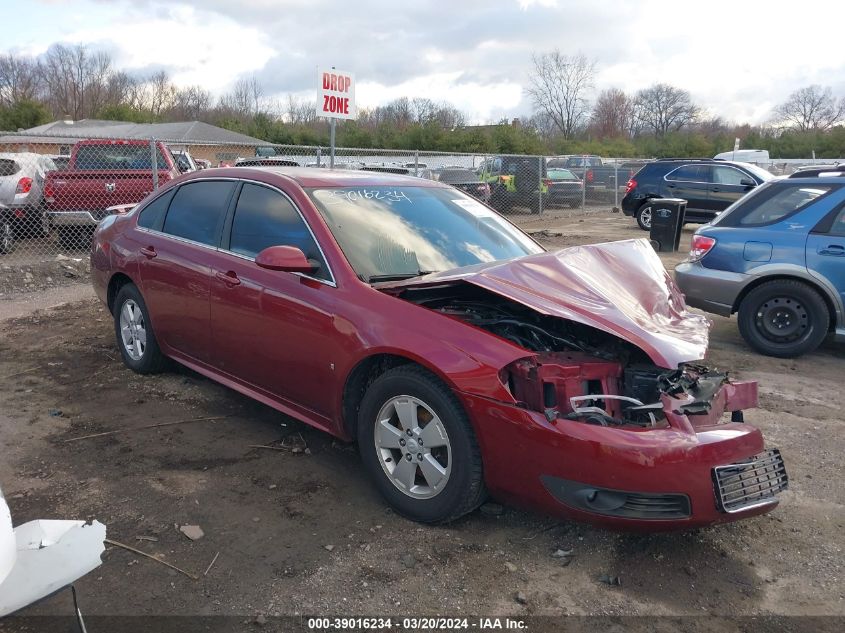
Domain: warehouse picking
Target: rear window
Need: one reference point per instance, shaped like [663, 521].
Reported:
[518, 166]
[561, 174]
[773, 204]
[8, 167]
[455, 175]
[102, 157]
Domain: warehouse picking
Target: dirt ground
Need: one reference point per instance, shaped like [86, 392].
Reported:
[298, 531]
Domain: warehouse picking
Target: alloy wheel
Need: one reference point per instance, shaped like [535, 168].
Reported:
[645, 217]
[133, 331]
[413, 447]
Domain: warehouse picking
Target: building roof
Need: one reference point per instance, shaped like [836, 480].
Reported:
[188, 132]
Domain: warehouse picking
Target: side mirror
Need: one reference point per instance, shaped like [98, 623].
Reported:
[747, 182]
[287, 258]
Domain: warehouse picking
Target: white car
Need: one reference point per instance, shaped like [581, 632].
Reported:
[22, 210]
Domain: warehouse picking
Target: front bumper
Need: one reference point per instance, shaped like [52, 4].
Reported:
[709, 289]
[546, 465]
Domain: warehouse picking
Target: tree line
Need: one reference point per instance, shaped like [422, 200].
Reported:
[568, 117]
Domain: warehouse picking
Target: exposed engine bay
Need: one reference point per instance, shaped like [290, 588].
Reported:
[580, 372]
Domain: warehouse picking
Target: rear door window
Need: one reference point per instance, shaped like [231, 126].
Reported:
[775, 203]
[690, 173]
[263, 218]
[197, 210]
[152, 215]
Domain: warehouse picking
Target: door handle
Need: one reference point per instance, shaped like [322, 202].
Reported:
[833, 249]
[230, 278]
[715, 190]
[148, 251]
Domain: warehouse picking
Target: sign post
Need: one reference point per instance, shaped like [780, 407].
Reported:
[335, 100]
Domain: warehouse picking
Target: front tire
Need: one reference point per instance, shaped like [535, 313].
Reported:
[783, 318]
[417, 444]
[643, 216]
[133, 330]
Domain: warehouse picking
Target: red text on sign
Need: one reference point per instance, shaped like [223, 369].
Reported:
[338, 83]
[338, 105]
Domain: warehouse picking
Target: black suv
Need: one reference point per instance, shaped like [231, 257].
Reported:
[708, 185]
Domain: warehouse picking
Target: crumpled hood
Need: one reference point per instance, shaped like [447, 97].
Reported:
[619, 287]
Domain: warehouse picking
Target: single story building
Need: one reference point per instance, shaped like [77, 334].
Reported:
[201, 139]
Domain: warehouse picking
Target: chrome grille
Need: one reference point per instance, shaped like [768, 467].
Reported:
[751, 483]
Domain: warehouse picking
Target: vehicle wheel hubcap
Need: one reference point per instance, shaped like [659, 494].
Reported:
[132, 330]
[645, 217]
[413, 447]
[782, 320]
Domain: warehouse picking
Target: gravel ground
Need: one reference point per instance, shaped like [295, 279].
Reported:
[301, 530]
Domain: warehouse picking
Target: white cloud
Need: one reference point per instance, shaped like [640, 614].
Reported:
[737, 59]
[479, 101]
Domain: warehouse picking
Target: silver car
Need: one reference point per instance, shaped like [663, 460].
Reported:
[22, 211]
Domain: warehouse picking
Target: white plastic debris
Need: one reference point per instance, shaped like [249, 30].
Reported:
[40, 557]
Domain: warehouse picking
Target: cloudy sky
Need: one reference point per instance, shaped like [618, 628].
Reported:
[738, 59]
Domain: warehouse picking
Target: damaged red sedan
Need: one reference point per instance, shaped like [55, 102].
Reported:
[464, 359]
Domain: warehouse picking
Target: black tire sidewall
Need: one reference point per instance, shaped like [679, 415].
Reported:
[644, 206]
[817, 311]
[447, 504]
[151, 360]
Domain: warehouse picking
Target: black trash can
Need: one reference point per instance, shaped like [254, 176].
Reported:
[667, 220]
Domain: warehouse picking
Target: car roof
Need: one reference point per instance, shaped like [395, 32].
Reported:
[312, 177]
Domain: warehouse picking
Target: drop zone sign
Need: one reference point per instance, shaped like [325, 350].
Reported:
[336, 95]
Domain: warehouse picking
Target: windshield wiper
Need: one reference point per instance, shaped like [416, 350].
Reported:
[399, 276]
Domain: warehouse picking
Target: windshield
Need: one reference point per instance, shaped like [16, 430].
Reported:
[398, 232]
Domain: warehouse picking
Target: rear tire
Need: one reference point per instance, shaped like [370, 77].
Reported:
[783, 318]
[133, 330]
[643, 216]
[441, 478]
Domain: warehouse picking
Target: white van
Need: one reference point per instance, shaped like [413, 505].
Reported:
[756, 156]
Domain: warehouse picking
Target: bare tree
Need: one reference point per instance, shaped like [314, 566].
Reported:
[559, 86]
[119, 89]
[811, 108]
[663, 108]
[161, 93]
[612, 113]
[75, 79]
[190, 104]
[20, 79]
[300, 111]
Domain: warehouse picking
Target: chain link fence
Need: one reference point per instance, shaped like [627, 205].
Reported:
[55, 190]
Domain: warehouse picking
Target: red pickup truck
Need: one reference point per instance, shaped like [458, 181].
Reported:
[102, 173]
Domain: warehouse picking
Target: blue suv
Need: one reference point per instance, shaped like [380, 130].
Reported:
[777, 258]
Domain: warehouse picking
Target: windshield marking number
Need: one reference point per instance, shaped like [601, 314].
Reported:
[354, 195]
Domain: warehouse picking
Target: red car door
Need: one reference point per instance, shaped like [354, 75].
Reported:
[270, 329]
[177, 236]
